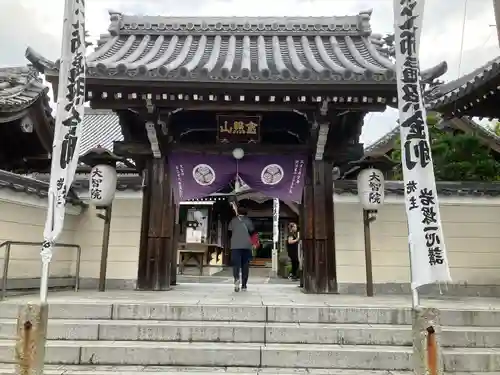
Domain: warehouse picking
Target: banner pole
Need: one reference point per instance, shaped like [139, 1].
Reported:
[32, 318]
[415, 298]
[426, 242]
[276, 233]
[66, 143]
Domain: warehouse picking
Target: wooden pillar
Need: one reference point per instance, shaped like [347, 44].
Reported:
[143, 271]
[175, 243]
[226, 241]
[318, 230]
[157, 229]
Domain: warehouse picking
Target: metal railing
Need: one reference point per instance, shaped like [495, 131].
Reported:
[6, 259]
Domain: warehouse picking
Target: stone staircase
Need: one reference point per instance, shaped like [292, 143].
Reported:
[129, 338]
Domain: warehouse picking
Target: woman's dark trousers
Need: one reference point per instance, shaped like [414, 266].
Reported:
[293, 254]
[241, 261]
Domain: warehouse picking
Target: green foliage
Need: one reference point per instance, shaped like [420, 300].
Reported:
[460, 157]
[496, 128]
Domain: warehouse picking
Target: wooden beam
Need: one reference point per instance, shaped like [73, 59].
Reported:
[41, 127]
[142, 149]
[201, 105]
[323, 125]
[131, 149]
[189, 105]
[288, 88]
[227, 148]
[154, 143]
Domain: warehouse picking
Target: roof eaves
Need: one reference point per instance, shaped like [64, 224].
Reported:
[386, 142]
[20, 87]
[451, 91]
[383, 144]
[28, 185]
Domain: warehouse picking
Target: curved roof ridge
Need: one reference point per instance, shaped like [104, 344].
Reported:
[122, 23]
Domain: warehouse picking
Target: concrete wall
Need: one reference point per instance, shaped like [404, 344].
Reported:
[472, 233]
[22, 218]
[124, 239]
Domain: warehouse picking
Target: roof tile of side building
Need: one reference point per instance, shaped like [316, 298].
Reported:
[100, 128]
[31, 186]
[305, 49]
[387, 141]
[449, 92]
[444, 188]
[19, 88]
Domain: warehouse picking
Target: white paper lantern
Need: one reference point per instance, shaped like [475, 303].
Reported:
[371, 188]
[102, 185]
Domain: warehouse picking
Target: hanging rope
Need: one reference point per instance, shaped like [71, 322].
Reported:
[461, 46]
[462, 39]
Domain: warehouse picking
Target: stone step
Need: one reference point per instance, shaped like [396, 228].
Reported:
[218, 354]
[252, 355]
[256, 313]
[254, 332]
[146, 330]
[168, 370]
[377, 334]
[141, 370]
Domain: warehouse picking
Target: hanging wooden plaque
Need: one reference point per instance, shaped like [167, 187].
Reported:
[238, 129]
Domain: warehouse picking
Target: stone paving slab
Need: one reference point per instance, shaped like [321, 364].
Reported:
[262, 294]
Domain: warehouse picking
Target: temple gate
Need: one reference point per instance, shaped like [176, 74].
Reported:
[195, 85]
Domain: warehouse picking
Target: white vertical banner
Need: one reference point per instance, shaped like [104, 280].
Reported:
[69, 114]
[419, 22]
[276, 233]
[429, 260]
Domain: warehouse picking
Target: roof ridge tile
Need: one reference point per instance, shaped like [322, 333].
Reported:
[125, 24]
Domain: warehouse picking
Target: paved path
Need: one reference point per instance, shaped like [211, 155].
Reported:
[258, 294]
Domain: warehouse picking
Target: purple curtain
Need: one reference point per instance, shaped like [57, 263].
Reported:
[196, 175]
[277, 176]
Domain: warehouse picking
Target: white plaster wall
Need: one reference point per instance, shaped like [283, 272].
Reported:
[472, 234]
[124, 239]
[20, 222]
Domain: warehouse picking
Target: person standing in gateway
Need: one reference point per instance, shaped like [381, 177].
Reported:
[241, 228]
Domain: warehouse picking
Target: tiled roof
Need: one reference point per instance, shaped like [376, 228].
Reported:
[386, 142]
[448, 93]
[100, 128]
[317, 49]
[19, 88]
[32, 186]
[386, 139]
[466, 188]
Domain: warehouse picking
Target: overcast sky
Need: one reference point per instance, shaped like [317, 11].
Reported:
[38, 23]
